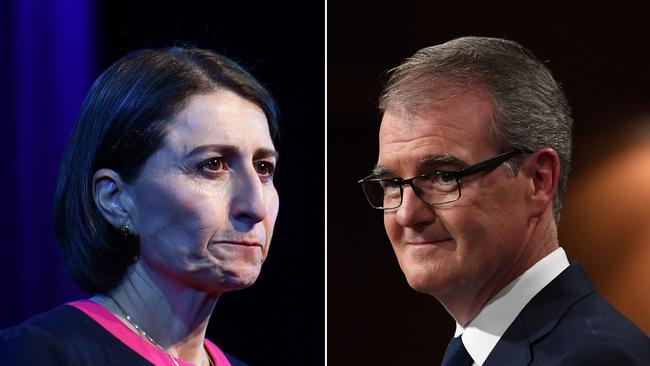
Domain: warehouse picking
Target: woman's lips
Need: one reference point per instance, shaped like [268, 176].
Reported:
[241, 243]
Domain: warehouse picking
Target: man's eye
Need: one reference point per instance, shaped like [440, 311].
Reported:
[391, 183]
[446, 177]
[212, 166]
[265, 168]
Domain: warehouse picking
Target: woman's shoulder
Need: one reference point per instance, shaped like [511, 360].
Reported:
[64, 321]
[234, 361]
[220, 356]
[41, 339]
[61, 336]
[49, 319]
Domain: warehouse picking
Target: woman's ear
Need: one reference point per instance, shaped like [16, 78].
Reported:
[112, 199]
[543, 169]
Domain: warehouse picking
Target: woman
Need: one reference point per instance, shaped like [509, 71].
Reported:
[165, 200]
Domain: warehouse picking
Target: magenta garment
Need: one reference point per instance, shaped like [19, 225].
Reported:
[151, 353]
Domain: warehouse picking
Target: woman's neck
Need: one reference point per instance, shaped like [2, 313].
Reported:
[174, 315]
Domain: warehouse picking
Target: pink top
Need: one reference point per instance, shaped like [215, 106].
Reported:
[134, 341]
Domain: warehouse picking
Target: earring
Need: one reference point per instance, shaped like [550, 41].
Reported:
[124, 230]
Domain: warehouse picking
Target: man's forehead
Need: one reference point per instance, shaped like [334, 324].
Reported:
[470, 110]
[452, 132]
[420, 136]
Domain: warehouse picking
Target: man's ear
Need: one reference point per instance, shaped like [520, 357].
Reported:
[111, 198]
[543, 170]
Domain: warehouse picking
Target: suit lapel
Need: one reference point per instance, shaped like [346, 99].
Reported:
[512, 348]
[540, 316]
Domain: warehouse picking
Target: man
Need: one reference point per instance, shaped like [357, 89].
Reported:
[474, 151]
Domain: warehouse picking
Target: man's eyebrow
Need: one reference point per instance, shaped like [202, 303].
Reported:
[380, 171]
[439, 159]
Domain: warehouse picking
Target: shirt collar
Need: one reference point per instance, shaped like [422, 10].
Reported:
[482, 334]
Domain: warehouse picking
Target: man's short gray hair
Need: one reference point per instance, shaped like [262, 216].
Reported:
[530, 110]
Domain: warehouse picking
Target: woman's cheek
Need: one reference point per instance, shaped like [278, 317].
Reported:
[269, 221]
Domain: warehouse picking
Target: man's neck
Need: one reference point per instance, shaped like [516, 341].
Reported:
[482, 334]
[463, 304]
[174, 316]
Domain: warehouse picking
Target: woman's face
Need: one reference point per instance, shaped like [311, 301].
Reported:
[204, 204]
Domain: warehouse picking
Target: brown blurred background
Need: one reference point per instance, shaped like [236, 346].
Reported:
[601, 58]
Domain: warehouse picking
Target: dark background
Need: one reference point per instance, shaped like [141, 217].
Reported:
[51, 51]
[601, 58]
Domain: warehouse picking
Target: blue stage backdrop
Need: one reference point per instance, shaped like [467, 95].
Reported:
[47, 64]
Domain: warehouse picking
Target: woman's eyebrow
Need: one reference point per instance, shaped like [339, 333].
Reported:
[265, 153]
[222, 149]
[232, 150]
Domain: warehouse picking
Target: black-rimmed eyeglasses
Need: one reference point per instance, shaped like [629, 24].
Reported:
[435, 189]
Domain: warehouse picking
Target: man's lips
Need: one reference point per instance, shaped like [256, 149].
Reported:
[428, 242]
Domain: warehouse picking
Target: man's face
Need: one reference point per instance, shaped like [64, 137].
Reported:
[467, 245]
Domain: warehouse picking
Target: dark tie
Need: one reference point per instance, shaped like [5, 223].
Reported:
[456, 354]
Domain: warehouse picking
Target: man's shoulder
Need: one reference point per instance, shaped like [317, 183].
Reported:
[591, 331]
[598, 354]
[598, 318]
[569, 323]
[592, 323]
[586, 314]
[602, 339]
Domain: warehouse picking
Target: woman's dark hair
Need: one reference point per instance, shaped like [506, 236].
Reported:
[122, 121]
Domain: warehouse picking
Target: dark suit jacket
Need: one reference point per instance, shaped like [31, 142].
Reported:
[67, 336]
[569, 323]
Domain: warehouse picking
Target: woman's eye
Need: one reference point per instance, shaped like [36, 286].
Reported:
[265, 168]
[212, 166]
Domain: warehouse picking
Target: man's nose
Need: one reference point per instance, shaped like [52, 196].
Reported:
[249, 200]
[414, 211]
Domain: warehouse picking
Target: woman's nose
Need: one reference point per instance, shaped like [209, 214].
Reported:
[249, 200]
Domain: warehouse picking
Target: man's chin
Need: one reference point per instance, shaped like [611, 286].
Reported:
[421, 286]
[425, 280]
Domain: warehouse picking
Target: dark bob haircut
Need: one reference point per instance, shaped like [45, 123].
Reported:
[122, 121]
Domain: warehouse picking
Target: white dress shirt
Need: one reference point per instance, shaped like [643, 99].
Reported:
[482, 334]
